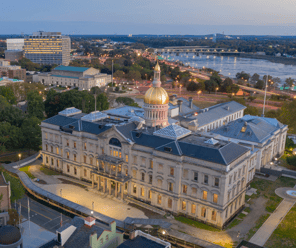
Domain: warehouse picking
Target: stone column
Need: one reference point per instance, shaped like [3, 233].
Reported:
[116, 188]
[104, 185]
[116, 170]
[122, 188]
[92, 181]
[99, 183]
[109, 184]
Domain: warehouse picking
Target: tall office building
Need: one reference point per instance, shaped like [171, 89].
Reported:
[48, 48]
[15, 44]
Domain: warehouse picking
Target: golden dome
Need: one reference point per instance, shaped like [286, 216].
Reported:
[157, 67]
[156, 95]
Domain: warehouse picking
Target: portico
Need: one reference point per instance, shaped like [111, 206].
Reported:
[109, 176]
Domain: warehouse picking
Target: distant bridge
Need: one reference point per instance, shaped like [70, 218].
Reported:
[196, 49]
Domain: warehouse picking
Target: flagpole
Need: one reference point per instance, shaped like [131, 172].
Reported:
[265, 95]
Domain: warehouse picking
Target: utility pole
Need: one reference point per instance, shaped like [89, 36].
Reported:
[112, 72]
[265, 95]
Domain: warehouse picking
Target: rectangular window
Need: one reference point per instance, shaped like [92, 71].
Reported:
[160, 166]
[58, 163]
[84, 145]
[45, 135]
[159, 199]
[193, 208]
[171, 186]
[170, 203]
[110, 152]
[185, 173]
[114, 153]
[230, 179]
[151, 164]
[184, 205]
[51, 148]
[74, 144]
[126, 158]
[206, 179]
[68, 155]
[46, 147]
[126, 172]
[52, 161]
[172, 171]
[67, 142]
[68, 168]
[205, 195]
[134, 173]
[102, 150]
[142, 192]
[159, 183]
[57, 150]
[216, 182]
[75, 171]
[195, 176]
[150, 179]
[149, 194]
[91, 161]
[203, 212]
[215, 198]
[184, 189]
[135, 189]
[135, 159]
[107, 237]
[143, 176]
[214, 215]
[84, 158]
[119, 154]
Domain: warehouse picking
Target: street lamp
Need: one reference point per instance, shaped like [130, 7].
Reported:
[19, 157]
[216, 90]
[198, 94]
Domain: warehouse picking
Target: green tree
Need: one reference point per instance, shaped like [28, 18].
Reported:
[4, 135]
[134, 75]
[287, 115]
[291, 160]
[8, 94]
[3, 103]
[260, 84]
[12, 115]
[192, 86]
[242, 75]
[210, 86]
[119, 74]
[216, 78]
[255, 77]
[251, 110]
[163, 78]
[127, 101]
[289, 82]
[102, 102]
[32, 133]
[201, 86]
[35, 104]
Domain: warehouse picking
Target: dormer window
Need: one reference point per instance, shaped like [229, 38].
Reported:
[243, 129]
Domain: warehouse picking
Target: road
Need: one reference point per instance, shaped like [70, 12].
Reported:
[42, 215]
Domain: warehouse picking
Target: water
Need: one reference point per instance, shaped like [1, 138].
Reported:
[229, 66]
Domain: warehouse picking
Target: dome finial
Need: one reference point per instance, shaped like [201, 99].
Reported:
[157, 67]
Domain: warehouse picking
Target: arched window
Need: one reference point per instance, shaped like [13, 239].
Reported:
[114, 142]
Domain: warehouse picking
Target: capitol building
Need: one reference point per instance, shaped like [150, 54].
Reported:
[168, 155]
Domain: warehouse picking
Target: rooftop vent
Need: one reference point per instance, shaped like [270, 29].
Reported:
[71, 127]
[70, 111]
[167, 149]
[212, 141]
[227, 107]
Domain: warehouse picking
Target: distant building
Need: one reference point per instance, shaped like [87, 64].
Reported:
[13, 71]
[15, 44]
[84, 233]
[13, 55]
[4, 62]
[82, 77]
[48, 48]
[5, 191]
[4, 81]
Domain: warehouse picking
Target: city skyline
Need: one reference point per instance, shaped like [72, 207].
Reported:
[153, 17]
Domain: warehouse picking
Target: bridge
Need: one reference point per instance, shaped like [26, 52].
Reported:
[196, 49]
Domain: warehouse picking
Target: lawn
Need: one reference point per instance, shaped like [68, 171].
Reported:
[285, 234]
[49, 172]
[259, 223]
[17, 189]
[267, 188]
[26, 170]
[196, 224]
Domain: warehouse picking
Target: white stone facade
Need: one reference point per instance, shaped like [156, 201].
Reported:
[206, 191]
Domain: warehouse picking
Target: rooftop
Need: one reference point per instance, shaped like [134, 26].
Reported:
[140, 242]
[250, 128]
[70, 68]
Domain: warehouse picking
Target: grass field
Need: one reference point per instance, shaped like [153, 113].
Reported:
[49, 172]
[196, 224]
[26, 170]
[17, 189]
[285, 234]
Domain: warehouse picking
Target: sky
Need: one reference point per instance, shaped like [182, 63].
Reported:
[195, 17]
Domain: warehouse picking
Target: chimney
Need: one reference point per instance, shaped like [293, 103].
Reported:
[89, 221]
[190, 103]
[113, 226]
[180, 105]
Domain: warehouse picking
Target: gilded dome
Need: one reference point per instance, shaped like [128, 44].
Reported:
[156, 95]
[157, 67]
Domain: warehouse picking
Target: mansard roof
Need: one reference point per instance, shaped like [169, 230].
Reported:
[250, 128]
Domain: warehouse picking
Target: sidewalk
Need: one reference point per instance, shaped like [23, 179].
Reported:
[266, 230]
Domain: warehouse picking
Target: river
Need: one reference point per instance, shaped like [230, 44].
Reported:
[229, 66]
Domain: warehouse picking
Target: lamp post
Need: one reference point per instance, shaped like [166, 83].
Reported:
[20, 155]
[216, 90]
[198, 94]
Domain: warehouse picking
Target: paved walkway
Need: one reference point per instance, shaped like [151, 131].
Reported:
[266, 230]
